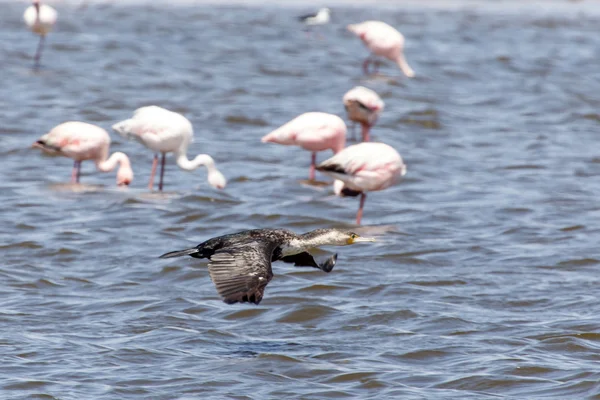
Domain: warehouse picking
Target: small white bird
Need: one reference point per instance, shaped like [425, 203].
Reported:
[320, 18]
[165, 131]
[40, 19]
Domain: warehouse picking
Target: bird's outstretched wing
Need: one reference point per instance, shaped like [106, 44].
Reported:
[242, 272]
[305, 259]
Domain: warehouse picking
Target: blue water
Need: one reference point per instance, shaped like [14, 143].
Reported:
[483, 283]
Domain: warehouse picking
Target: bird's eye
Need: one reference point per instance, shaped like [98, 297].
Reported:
[354, 236]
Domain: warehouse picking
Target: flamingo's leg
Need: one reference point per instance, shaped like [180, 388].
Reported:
[38, 53]
[162, 172]
[153, 172]
[376, 66]
[366, 65]
[359, 214]
[313, 162]
[76, 172]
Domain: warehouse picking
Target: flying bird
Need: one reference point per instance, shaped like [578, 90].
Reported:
[40, 19]
[320, 18]
[313, 131]
[383, 41]
[240, 263]
[82, 141]
[363, 105]
[364, 167]
[164, 131]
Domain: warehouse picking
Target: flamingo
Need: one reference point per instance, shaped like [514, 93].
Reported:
[165, 131]
[82, 141]
[313, 131]
[363, 106]
[383, 41]
[364, 167]
[40, 19]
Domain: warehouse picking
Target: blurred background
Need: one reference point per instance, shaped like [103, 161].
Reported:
[484, 280]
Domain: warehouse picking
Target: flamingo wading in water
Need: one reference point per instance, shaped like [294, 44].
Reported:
[165, 131]
[383, 41]
[313, 131]
[40, 19]
[82, 141]
[363, 106]
[364, 167]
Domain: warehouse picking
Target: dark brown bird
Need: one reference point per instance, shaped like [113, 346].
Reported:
[240, 263]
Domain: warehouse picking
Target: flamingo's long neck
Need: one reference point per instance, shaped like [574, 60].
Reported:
[200, 160]
[36, 4]
[365, 132]
[401, 61]
[110, 164]
[215, 177]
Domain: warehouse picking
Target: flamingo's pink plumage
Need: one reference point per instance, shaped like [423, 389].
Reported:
[384, 41]
[363, 105]
[364, 167]
[82, 141]
[313, 131]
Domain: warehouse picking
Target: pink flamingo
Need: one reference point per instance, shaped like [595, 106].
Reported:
[383, 41]
[363, 106]
[165, 131]
[40, 19]
[82, 141]
[313, 131]
[364, 167]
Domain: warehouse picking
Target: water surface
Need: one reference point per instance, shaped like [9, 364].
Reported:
[484, 281]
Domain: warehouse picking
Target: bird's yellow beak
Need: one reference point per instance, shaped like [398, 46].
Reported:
[359, 239]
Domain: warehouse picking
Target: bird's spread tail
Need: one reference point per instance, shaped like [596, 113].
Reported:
[180, 253]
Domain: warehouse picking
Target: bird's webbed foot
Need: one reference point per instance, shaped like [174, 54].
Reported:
[327, 265]
[305, 259]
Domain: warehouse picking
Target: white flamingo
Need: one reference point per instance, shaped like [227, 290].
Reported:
[165, 131]
[40, 19]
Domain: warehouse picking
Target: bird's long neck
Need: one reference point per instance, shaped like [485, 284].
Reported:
[201, 160]
[110, 164]
[307, 241]
[36, 4]
[365, 132]
[401, 61]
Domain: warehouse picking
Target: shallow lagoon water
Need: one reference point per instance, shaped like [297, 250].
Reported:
[484, 280]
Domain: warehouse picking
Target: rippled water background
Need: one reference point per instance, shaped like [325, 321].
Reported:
[484, 283]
